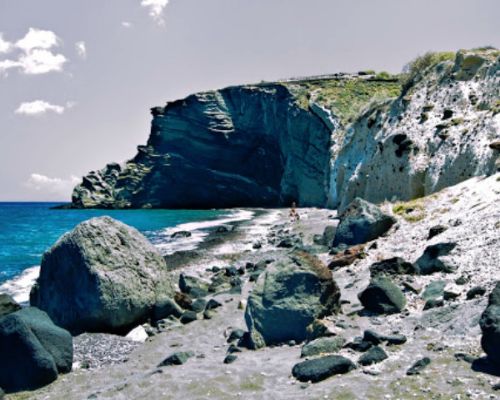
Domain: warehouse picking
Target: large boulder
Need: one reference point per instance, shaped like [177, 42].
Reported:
[7, 304]
[490, 326]
[33, 350]
[382, 296]
[288, 297]
[361, 222]
[103, 276]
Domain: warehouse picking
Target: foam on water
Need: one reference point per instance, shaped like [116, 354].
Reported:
[20, 286]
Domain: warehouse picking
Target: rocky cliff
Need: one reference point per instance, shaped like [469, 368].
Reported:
[319, 141]
[240, 146]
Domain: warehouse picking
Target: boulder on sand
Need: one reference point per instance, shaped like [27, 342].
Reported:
[318, 369]
[382, 296]
[490, 326]
[361, 222]
[103, 276]
[33, 350]
[288, 297]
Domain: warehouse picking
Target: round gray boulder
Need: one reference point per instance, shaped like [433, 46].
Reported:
[103, 276]
[287, 298]
[382, 296]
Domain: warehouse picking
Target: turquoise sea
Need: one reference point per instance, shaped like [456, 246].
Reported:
[28, 229]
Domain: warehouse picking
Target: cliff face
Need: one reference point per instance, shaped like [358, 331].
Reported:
[240, 146]
[318, 141]
[436, 134]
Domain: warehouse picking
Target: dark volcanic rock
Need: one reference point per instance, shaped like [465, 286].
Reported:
[178, 358]
[361, 222]
[326, 345]
[193, 286]
[166, 308]
[419, 366]
[373, 356]
[430, 261]
[180, 234]
[322, 368]
[7, 305]
[392, 266]
[235, 334]
[476, 291]
[490, 326]
[347, 257]
[188, 317]
[382, 297]
[288, 297]
[436, 230]
[33, 350]
[230, 358]
[359, 344]
[103, 276]
[236, 147]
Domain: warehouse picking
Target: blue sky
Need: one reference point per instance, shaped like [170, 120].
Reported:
[77, 78]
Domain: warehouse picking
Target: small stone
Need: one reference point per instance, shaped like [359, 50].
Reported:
[433, 303]
[177, 358]
[230, 358]
[360, 345]
[436, 230]
[373, 356]
[382, 296]
[419, 366]
[188, 317]
[208, 314]
[462, 280]
[318, 369]
[476, 291]
[395, 339]
[233, 349]
[236, 334]
[198, 305]
[326, 345]
[372, 337]
[212, 304]
[412, 286]
[465, 357]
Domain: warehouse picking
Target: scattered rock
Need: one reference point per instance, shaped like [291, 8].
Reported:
[235, 334]
[326, 345]
[318, 328]
[225, 228]
[461, 280]
[382, 296]
[177, 358]
[166, 308]
[183, 300]
[373, 356]
[7, 305]
[180, 234]
[322, 368]
[257, 245]
[419, 366]
[395, 340]
[233, 349]
[329, 235]
[361, 222]
[138, 334]
[392, 266]
[198, 305]
[465, 357]
[289, 297]
[436, 230]
[413, 286]
[33, 350]
[347, 257]
[375, 338]
[188, 317]
[103, 276]
[434, 290]
[433, 303]
[194, 287]
[212, 304]
[359, 345]
[430, 261]
[490, 326]
[477, 291]
[230, 358]
[495, 145]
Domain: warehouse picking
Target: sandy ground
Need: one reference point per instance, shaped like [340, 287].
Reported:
[471, 210]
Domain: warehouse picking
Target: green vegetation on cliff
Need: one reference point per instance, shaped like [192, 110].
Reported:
[345, 96]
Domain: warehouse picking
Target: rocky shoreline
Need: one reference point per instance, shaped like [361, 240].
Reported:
[426, 345]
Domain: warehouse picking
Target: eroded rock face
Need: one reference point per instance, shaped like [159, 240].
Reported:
[287, 298]
[436, 134]
[103, 276]
[490, 325]
[240, 146]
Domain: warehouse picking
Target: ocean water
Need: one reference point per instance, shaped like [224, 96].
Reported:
[28, 229]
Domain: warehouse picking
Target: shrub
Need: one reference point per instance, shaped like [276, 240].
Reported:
[384, 75]
[421, 63]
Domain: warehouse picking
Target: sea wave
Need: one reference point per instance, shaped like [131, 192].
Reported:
[20, 286]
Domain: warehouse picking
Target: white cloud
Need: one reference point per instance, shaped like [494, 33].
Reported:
[36, 56]
[156, 8]
[61, 188]
[5, 46]
[81, 49]
[38, 39]
[39, 107]
[126, 24]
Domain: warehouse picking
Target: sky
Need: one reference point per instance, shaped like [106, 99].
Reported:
[77, 78]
